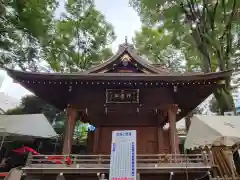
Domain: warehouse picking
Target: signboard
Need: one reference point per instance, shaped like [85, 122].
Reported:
[123, 155]
[122, 95]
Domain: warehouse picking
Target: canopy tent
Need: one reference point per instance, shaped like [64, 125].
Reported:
[210, 130]
[30, 125]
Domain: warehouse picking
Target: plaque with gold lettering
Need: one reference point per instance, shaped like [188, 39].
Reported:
[122, 95]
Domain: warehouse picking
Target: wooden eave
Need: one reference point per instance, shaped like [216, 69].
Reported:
[168, 77]
[54, 87]
[57, 89]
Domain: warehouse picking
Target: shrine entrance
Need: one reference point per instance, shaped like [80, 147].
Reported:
[144, 139]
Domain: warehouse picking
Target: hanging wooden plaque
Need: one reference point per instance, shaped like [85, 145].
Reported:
[122, 95]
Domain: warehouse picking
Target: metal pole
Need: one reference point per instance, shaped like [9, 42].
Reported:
[171, 175]
[60, 177]
[210, 176]
[3, 139]
[138, 176]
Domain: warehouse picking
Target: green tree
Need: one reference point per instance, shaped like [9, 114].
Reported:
[82, 36]
[157, 46]
[2, 8]
[213, 106]
[24, 28]
[212, 27]
[33, 105]
[32, 38]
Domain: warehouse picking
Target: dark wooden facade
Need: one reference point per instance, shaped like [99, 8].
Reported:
[150, 139]
[124, 92]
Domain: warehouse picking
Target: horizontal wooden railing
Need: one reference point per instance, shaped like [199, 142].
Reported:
[104, 160]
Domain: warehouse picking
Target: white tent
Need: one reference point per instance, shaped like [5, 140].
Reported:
[207, 130]
[31, 125]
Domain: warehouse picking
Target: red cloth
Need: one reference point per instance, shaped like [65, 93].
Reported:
[26, 149]
[55, 159]
[68, 161]
[3, 174]
[60, 159]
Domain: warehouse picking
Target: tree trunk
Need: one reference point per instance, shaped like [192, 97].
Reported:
[225, 100]
[207, 47]
[187, 122]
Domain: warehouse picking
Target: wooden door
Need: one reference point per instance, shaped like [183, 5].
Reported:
[151, 147]
[146, 139]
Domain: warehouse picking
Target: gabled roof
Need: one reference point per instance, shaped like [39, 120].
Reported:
[127, 49]
[151, 72]
[52, 86]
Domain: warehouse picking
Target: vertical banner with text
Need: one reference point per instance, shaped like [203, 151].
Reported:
[123, 155]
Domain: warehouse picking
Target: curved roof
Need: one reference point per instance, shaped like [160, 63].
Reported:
[152, 73]
[171, 76]
[58, 86]
[126, 48]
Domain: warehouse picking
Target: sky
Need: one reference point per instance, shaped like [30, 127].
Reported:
[123, 18]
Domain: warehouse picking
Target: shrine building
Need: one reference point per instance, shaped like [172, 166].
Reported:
[125, 92]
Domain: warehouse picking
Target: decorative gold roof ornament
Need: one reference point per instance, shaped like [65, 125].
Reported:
[126, 57]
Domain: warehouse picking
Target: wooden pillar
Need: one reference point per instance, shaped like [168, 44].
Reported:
[174, 142]
[69, 130]
[160, 140]
[160, 136]
[96, 140]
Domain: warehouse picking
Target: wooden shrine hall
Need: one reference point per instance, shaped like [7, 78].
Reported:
[124, 92]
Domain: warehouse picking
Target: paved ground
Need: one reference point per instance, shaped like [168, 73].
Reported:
[14, 175]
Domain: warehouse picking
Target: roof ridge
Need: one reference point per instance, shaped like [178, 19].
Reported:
[129, 48]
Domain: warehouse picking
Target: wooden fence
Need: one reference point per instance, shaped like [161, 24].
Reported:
[97, 160]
